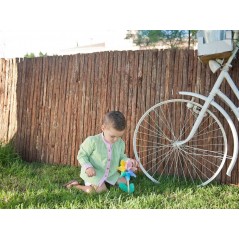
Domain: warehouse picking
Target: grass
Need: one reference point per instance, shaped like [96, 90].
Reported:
[38, 185]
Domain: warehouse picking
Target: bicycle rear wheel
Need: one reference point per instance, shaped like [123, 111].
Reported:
[198, 161]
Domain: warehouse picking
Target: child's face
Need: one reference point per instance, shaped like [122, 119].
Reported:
[111, 135]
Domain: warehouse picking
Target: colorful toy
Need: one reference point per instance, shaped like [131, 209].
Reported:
[126, 169]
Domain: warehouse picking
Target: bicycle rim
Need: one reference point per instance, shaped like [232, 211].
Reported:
[198, 161]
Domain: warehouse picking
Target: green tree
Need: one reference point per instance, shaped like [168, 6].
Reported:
[30, 55]
[169, 38]
[41, 54]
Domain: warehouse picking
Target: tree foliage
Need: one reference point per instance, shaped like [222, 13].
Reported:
[42, 54]
[30, 55]
[168, 38]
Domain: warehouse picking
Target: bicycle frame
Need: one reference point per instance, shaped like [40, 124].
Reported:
[210, 101]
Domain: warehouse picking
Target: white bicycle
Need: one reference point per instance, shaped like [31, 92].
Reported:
[183, 139]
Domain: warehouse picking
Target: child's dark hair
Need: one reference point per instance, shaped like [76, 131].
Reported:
[115, 119]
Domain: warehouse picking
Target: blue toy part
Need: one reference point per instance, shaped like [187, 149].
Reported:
[127, 175]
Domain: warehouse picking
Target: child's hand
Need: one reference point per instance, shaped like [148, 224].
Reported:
[132, 164]
[90, 172]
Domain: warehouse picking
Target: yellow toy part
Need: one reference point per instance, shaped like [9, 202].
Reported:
[122, 167]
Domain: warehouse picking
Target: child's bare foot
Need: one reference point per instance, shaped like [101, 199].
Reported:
[71, 184]
[75, 183]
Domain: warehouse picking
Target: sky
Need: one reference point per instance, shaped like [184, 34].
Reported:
[49, 26]
[17, 43]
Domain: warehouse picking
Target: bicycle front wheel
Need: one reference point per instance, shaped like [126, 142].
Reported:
[200, 160]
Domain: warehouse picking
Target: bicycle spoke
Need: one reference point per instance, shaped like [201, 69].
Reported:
[199, 161]
[214, 154]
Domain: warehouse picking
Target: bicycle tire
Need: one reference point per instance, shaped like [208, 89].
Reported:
[198, 161]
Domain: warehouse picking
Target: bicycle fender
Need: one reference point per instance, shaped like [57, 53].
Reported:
[230, 122]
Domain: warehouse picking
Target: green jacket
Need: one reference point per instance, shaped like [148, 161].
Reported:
[94, 151]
